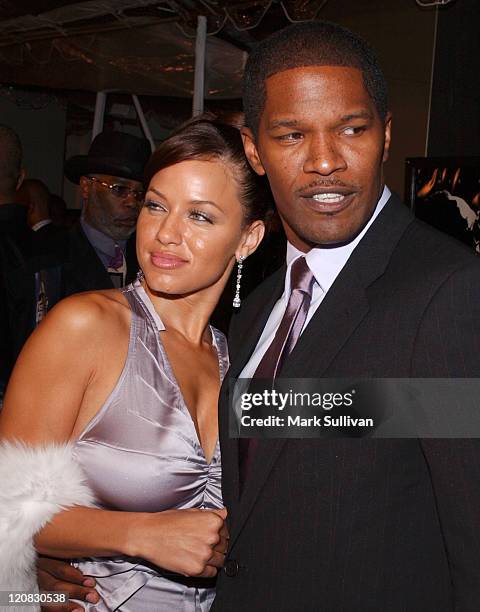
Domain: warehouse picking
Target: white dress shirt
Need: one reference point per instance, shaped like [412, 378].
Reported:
[40, 224]
[326, 265]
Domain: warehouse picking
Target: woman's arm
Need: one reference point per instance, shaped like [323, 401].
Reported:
[190, 542]
[61, 369]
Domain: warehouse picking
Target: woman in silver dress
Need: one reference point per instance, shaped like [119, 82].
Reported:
[130, 382]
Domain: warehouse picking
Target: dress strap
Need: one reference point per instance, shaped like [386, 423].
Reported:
[143, 301]
[142, 297]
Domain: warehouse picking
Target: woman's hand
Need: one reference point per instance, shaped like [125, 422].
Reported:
[191, 542]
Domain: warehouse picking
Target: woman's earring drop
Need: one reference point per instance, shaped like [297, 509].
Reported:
[236, 299]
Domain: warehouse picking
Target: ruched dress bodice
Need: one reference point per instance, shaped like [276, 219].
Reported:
[141, 453]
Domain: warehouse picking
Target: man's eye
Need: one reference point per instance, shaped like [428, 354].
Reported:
[120, 190]
[290, 137]
[354, 130]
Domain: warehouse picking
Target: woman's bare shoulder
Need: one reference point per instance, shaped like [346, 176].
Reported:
[88, 312]
[60, 361]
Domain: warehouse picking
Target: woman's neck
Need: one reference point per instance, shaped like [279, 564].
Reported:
[188, 315]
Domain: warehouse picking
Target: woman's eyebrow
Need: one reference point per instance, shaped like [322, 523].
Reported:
[207, 202]
[159, 193]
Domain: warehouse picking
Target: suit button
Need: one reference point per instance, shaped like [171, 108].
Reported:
[231, 568]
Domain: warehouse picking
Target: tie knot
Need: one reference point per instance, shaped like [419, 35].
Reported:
[301, 277]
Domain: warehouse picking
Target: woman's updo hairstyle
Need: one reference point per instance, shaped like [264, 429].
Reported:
[205, 138]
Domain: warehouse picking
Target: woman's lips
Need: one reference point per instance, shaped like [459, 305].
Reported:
[167, 261]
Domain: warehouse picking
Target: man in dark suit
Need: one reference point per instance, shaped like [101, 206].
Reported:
[364, 525]
[340, 524]
[13, 232]
[99, 251]
[24, 256]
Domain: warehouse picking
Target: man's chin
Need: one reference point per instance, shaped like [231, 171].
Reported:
[305, 239]
[328, 237]
[123, 233]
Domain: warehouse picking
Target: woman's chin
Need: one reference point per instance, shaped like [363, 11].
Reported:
[166, 289]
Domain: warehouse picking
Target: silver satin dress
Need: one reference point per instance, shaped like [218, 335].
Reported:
[141, 453]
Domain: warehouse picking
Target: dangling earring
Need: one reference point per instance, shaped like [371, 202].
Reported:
[140, 275]
[236, 299]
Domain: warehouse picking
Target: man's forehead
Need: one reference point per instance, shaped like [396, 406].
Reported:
[302, 78]
[336, 89]
[112, 179]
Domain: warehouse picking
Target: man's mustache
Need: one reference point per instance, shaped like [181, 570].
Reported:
[338, 185]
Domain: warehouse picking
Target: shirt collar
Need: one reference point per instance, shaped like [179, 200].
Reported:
[326, 264]
[99, 240]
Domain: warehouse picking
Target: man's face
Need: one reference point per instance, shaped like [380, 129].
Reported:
[322, 145]
[105, 209]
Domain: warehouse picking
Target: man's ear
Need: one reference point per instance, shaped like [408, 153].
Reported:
[388, 133]
[84, 184]
[21, 178]
[251, 150]
[251, 238]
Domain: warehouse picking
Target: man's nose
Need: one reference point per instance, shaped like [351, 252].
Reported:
[131, 201]
[324, 156]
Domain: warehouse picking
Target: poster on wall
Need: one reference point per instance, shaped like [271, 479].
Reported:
[445, 192]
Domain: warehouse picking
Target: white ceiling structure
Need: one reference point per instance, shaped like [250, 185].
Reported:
[80, 46]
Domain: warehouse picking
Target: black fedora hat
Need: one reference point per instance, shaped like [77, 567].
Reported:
[114, 153]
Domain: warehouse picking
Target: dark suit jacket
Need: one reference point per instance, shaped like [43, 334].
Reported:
[363, 525]
[65, 258]
[13, 234]
[82, 269]
[22, 254]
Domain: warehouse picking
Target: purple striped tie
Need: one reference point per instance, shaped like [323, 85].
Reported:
[286, 336]
[116, 262]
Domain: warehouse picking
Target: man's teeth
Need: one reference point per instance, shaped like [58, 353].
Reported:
[331, 198]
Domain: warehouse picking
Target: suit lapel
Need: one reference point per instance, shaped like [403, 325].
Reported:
[131, 259]
[340, 313]
[85, 268]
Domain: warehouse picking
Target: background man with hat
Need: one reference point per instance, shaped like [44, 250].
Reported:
[99, 252]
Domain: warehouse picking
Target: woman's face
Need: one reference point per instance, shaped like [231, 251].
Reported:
[190, 229]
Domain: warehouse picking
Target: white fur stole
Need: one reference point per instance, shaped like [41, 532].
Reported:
[35, 484]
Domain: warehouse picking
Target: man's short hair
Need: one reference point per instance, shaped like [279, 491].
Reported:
[316, 43]
[10, 158]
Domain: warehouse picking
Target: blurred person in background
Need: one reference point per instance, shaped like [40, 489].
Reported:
[35, 196]
[13, 230]
[29, 266]
[99, 252]
[59, 213]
